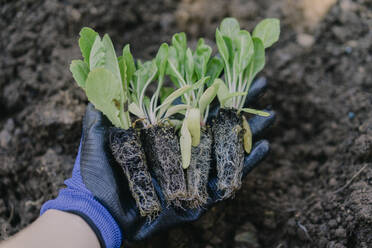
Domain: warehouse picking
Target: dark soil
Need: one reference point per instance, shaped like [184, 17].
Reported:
[129, 154]
[315, 188]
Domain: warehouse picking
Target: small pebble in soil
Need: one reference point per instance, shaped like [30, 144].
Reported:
[246, 236]
[333, 244]
[348, 49]
[349, 218]
[305, 40]
[351, 115]
[332, 223]
[5, 138]
[340, 233]
[332, 182]
[9, 125]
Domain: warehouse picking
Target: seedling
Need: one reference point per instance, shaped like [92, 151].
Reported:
[158, 135]
[104, 79]
[188, 68]
[243, 57]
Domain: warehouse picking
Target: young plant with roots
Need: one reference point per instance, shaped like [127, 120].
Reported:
[158, 134]
[243, 57]
[104, 78]
[187, 68]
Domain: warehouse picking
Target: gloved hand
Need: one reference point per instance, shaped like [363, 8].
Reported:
[98, 189]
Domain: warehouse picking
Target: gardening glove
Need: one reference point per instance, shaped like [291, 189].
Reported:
[98, 190]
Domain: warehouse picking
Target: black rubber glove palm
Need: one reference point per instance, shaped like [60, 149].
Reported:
[105, 179]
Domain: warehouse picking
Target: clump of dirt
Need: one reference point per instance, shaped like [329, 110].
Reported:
[314, 190]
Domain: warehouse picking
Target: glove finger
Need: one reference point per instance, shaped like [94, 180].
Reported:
[257, 88]
[93, 118]
[259, 123]
[258, 153]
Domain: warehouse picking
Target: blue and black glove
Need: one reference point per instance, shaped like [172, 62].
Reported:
[98, 190]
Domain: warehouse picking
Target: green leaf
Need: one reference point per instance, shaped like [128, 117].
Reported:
[214, 69]
[173, 65]
[97, 55]
[247, 137]
[86, 40]
[103, 89]
[189, 65]
[175, 123]
[222, 47]
[111, 61]
[179, 41]
[146, 101]
[169, 100]
[258, 61]
[165, 92]
[229, 96]
[174, 73]
[129, 62]
[230, 48]
[161, 60]
[103, 55]
[137, 111]
[230, 27]
[144, 75]
[176, 109]
[139, 63]
[174, 95]
[244, 45]
[201, 57]
[185, 145]
[256, 112]
[123, 72]
[207, 97]
[79, 71]
[200, 83]
[222, 93]
[268, 31]
[193, 124]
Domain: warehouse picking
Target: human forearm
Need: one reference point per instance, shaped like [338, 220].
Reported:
[55, 229]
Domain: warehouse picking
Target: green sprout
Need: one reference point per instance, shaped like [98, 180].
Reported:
[195, 69]
[243, 56]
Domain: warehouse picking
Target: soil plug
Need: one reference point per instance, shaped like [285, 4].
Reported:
[163, 149]
[198, 171]
[105, 79]
[187, 68]
[243, 57]
[128, 152]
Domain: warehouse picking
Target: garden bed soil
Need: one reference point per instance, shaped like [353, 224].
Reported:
[315, 188]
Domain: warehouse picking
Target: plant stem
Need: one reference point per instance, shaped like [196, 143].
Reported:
[205, 115]
[241, 104]
[125, 119]
[228, 75]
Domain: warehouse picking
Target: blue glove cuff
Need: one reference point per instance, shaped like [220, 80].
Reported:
[97, 216]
